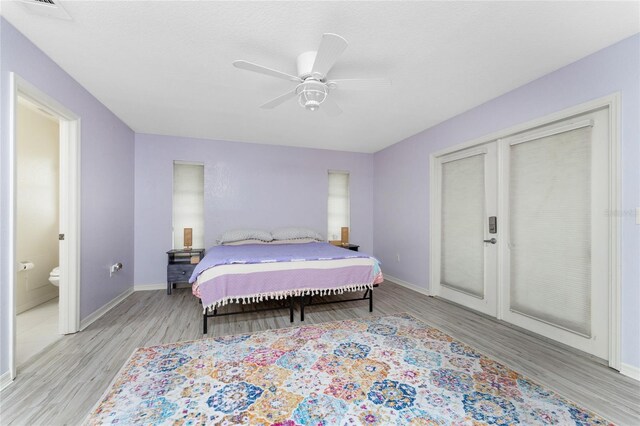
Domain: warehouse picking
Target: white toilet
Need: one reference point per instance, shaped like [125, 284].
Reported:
[54, 276]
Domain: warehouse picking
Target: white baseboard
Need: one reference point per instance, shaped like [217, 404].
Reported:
[407, 285]
[147, 287]
[5, 379]
[86, 322]
[630, 371]
[107, 307]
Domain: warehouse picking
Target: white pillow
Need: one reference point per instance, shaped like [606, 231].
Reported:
[243, 242]
[294, 241]
[294, 233]
[245, 234]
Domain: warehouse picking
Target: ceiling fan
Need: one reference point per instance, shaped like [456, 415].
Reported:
[313, 87]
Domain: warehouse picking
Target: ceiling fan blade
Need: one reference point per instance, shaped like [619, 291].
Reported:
[360, 83]
[250, 66]
[279, 100]
[330, 107]
[331, 47]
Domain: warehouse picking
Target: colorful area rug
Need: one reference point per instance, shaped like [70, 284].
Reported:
[374, 371]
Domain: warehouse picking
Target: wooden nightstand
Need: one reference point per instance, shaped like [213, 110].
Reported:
[179, 266]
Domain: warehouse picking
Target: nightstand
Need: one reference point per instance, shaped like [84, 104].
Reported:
[353, 247]
[180, 267]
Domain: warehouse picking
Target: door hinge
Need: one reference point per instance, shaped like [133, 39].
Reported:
[61, 237]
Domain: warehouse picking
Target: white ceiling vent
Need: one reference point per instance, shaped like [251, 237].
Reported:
[48, 8]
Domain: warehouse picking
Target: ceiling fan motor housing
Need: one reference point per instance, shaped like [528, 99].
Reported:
[312, 91]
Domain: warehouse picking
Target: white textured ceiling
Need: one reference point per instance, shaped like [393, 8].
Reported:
[164, 67]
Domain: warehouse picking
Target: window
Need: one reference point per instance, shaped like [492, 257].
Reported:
[188, 203]
[338, 204]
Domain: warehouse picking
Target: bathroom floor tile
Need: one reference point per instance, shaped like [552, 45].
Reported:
[36, 329]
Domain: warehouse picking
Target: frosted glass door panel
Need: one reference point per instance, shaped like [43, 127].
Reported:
[463, 217]
[550, 234]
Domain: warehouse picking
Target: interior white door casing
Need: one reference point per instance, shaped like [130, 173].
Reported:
[466, 265]
[603, 339]
[556, 260]
[69, 284]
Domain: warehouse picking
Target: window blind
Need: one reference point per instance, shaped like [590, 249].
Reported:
[338, 204]
[188, 203]
[463, 217]
[550, 243]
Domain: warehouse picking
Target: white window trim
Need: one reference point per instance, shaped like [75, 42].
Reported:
[345, 172]
[173, 230]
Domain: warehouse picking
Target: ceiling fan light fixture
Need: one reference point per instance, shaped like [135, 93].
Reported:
[313, 87]
[311, 94]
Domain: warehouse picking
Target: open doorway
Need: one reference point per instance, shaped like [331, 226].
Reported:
[44, 221]
[37, 225]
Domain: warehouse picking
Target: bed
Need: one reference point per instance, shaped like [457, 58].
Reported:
[251, 273]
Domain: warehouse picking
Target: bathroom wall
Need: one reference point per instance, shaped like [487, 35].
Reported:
[37, 197]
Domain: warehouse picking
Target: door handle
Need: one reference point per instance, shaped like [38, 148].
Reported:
[492, 241]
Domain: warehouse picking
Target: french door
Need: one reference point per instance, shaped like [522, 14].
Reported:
[467, 264]
[531, 248]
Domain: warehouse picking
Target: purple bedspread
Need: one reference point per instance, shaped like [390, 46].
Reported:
[267, 253]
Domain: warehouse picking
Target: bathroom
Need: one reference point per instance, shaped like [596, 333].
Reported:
[37, 227]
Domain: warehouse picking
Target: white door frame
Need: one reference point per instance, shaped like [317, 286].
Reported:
[69, 286]
[612, 102]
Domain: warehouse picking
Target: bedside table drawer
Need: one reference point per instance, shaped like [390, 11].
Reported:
[179, 273]
[179, 266]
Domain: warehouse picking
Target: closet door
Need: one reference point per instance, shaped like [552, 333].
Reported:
[466, 256]
[555, 196]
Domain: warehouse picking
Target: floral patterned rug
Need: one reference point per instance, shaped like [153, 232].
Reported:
[374, 371]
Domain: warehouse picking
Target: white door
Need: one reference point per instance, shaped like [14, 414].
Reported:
[552, 272]
[466, 258]
[555, 198]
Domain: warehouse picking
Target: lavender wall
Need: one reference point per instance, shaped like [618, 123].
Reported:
[401, 182]
[246, 186]
[268, 186]
[107, 155]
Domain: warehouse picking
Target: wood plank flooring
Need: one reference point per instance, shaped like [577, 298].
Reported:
[61, 385]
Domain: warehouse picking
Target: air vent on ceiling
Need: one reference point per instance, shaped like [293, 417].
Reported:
[48, 8]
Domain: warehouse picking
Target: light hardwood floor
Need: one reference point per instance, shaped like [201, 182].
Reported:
[61, 385]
